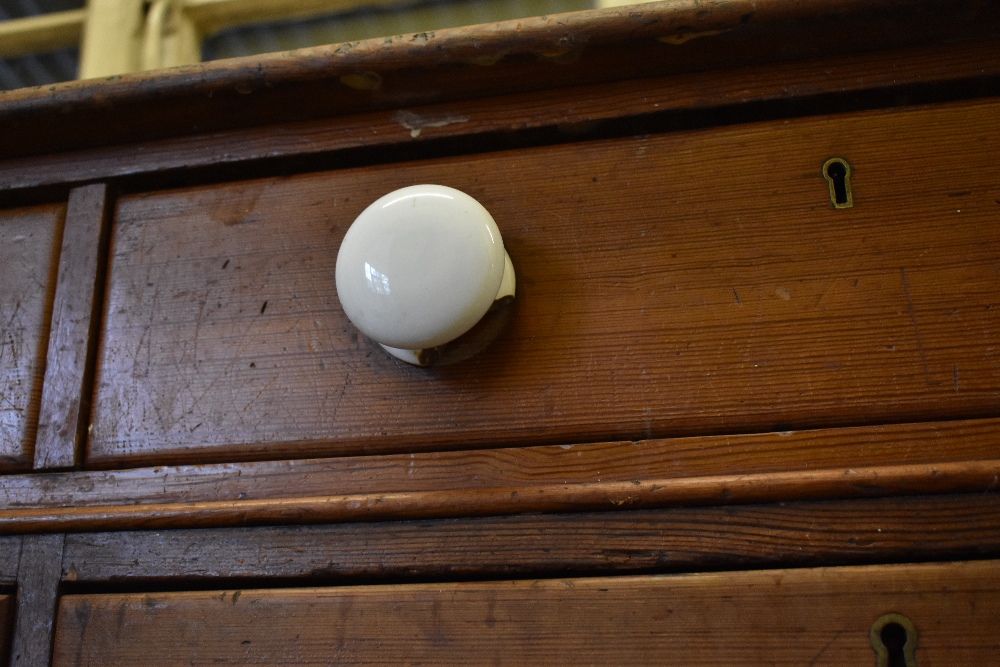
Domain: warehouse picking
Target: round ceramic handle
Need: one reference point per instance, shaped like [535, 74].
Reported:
[420, 268]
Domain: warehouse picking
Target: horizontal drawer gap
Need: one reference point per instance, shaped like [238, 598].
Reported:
[796, 534]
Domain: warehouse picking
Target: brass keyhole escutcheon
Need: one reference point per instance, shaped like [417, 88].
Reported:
[837, 173]
[894, 638]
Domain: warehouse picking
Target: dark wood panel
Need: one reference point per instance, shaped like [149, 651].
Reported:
[577, 109]
[37, 591]
[697, 457]
[665, 279]
[6, 620]
[677, 540]
[527, 54]
[29, 247]
[813, 616]
[65, 407]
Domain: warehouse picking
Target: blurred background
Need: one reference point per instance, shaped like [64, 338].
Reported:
[47, 41]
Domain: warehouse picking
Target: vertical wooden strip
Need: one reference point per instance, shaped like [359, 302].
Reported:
[37, 593]
[72, 341]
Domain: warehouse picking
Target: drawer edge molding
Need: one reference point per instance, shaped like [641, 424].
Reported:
[470, 469]
[869, 482]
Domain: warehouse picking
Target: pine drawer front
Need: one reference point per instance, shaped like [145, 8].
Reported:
[777, 617]
[685, 283]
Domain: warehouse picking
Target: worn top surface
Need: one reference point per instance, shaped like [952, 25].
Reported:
[530, 54]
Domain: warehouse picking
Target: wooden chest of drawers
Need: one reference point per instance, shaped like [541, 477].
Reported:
[735, 421]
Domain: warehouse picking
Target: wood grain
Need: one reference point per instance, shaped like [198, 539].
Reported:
[574, 108]
[528, 54]
[813, 616]
[69, 371]
[37, 592]
[29, 247]
[642, 541]
[519, 467]
[657, 318]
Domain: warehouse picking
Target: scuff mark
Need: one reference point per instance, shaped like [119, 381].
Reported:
[823, 650]
[416, 123]
[345, 48]
[915, 322]
[683, 36]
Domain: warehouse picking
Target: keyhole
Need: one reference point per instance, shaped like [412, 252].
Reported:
[894, 639]
[837, 173]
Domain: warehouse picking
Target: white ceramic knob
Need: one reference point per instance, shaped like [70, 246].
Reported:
[420, 268]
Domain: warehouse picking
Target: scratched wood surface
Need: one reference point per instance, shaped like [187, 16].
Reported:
[527, 54]
[664, 280]
[37, 593]
[29, 247]
[908, 529]
[776, 617]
